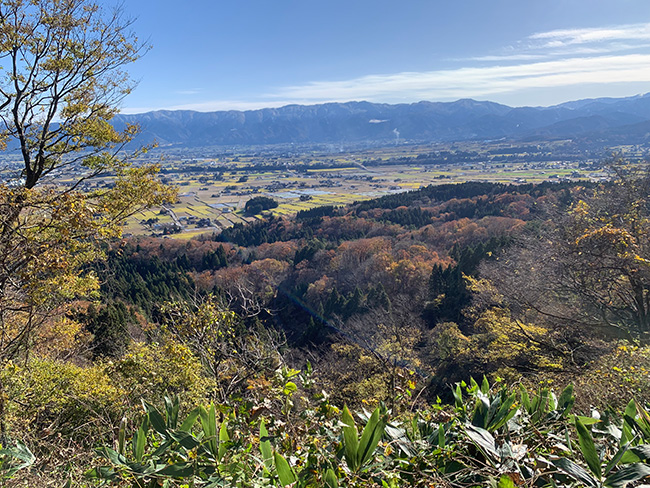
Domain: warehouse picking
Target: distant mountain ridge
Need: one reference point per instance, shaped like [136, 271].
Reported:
[355, 122]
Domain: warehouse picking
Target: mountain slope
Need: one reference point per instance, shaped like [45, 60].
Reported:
[353, 122]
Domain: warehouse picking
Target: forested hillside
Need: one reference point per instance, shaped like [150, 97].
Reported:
[392, 303]
[464, 335]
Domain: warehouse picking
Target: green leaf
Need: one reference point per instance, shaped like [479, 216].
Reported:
[503, 414]
[481, 409]
[630, 412]
[139, 439]
[265, 448]
[185, 439]
[575, 471]
[209, 424]
[628, 474]
[285, 473]
[172, 406]
[189, 421]
[223, 439]
[618, 457]
[331, 480]
[505, 482]
[588, 449]
[350, 439]
[458, 396]
[370, 437]
[101, 472]
[539, 405]
[585, 420]
[485, 386]
[566, 400]
[157, 421]
[643, 451]
[178, 470]
[441, 436]
[113, 456]
[484, 441]
[289, 388]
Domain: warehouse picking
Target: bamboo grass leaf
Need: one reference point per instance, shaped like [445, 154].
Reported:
[588, 449]
[285, 472]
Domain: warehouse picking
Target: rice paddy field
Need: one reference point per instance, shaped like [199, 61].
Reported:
[212, 192]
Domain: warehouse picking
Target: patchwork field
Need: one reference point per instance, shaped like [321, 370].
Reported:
[213, 191]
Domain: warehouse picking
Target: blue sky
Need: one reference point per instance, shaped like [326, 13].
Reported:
[247, 54]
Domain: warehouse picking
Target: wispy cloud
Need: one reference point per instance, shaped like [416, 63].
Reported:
[544, 60]
[188, 92]
[574, 42]
[476, 81]
[565, 37]
[552, 60]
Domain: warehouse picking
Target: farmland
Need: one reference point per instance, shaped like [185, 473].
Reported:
[214, 186]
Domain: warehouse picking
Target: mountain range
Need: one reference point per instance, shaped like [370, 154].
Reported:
[605, 120]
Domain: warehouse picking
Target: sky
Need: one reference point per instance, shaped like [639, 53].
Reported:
[211, 55]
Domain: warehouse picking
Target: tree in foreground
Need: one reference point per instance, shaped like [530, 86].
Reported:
[62, 81]
[588, 268]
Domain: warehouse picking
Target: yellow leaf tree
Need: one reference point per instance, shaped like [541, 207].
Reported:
[62, 79]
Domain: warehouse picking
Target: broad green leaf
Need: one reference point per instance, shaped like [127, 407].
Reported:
[539, 405]
[113, 456]
[223, 438]
[585, 420]
[575, 471]
[370, 437]
[628, 474]
[157, 421]
[185, 439]
[178, 470]
[101, 472]
[285, 473]
[189, 421]
[630, 412]
[566, 400]
[552, 401]
[350, 439]
[331, 480]
[618, 457]
[172, 418]
[484, 441]
[209, 424]
[265, 447]
[139, 439]
[441, 436]
[480, 414]
[485, 386]
[588, 449]
[505, 413]
[458, 396]
[643, 451]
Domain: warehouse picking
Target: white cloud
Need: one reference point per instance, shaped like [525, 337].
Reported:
[563, 37]
[554, 60]
[475, 81]
[189, 92]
